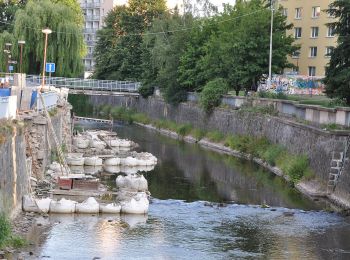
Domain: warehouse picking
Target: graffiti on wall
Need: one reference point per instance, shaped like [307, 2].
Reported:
[294, 84]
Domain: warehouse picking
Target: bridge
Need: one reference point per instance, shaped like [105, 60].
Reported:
[88, 86]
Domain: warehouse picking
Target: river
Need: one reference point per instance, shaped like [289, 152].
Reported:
[204, 205]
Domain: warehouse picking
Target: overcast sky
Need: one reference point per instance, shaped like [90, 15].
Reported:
[172, 3]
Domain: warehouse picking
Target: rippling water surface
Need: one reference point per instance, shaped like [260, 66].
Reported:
[205, 206]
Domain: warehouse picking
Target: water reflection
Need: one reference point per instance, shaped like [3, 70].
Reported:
[191, 173]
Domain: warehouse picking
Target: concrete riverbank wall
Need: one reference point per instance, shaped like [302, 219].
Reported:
[25, 152]
[319, 145]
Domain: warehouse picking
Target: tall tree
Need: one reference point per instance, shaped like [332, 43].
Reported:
[122, 36]
[338, 72]
[8, 9]
[66, 45]
[240, 52]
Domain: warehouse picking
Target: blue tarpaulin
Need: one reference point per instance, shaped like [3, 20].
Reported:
[33, 100]
[5, 92]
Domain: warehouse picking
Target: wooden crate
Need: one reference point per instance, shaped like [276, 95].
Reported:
[65, 183]
[86, 184]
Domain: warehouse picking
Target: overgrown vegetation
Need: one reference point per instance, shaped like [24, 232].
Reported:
[7, 128]
[7, 238]
[262, 110]
[212, 93]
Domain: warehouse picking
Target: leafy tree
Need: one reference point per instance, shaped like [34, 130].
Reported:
[65, 46]
[338, 72]
[165, 51]
[122, 35]
[239, 49]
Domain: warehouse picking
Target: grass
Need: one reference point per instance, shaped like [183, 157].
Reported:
[215, 136]
[260, 110]
[7, 128]
[295, 166]
[7, 238]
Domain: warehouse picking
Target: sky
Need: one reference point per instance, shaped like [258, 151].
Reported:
[172, 3]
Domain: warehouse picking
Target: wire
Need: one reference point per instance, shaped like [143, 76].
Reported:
[152, 33]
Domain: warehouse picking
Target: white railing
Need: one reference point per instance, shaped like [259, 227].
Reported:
[86, 84]
[8, 107]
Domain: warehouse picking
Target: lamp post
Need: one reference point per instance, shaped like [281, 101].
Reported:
[271, 33]
[8, 51]
[21, 43]
[46, 31]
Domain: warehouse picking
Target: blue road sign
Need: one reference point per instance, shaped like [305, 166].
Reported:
[50, 67]
[10, 68]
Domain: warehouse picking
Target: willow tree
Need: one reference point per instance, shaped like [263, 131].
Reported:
[5, 37]
[66, 45]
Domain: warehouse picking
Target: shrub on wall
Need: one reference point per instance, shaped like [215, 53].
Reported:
[146, 91]
[212, 93]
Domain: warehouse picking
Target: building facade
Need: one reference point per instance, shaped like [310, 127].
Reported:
[312, 32]
[94, 13]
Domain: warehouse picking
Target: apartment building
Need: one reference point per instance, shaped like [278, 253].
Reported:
[94, 12]
[316, 38]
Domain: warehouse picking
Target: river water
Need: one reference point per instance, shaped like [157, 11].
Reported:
[205, 206]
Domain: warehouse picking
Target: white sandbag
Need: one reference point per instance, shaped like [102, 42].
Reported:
[62, 206]
[29, 204]
[135, 206]
[129, 161]
[56, 167]
[98, 144]
[93, 161]
[92, 170]
[43, 204]
[76, 169]
[88, 206]
[132, 182]
[124, 143]
[112, 162]
[111, 208]
[81, 142]
[77, 161]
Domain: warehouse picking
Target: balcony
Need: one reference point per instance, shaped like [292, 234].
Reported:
[90, 5]
[90, 30]
[92, 18]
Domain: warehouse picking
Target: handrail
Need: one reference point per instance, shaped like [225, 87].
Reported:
[87, 84]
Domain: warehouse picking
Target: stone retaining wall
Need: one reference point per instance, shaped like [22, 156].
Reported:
[316, 143]
[26, 154]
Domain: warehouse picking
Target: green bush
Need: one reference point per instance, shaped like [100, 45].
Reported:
[198, 134]
[146, 91]
[5, 230]
[272, 95]
[105, 110]
[184, 129]
[141, 118]
[215, 136]
[271, 154]
[211, 95]
[122, 113]
[295, 167]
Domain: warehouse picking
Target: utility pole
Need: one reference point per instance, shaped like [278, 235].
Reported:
[271, 33]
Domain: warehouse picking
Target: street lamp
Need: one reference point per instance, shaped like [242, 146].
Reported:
[21, 43]
[46, 31]
[7, 51]
[271, 33]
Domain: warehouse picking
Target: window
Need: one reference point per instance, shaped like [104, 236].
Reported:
[314, 32]
[312, 71]
[296, 55]
[316, 11]
[297, 34]
[329, 51]
[313, 52]
[330, 31]
[285, 11]
[298, 13]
